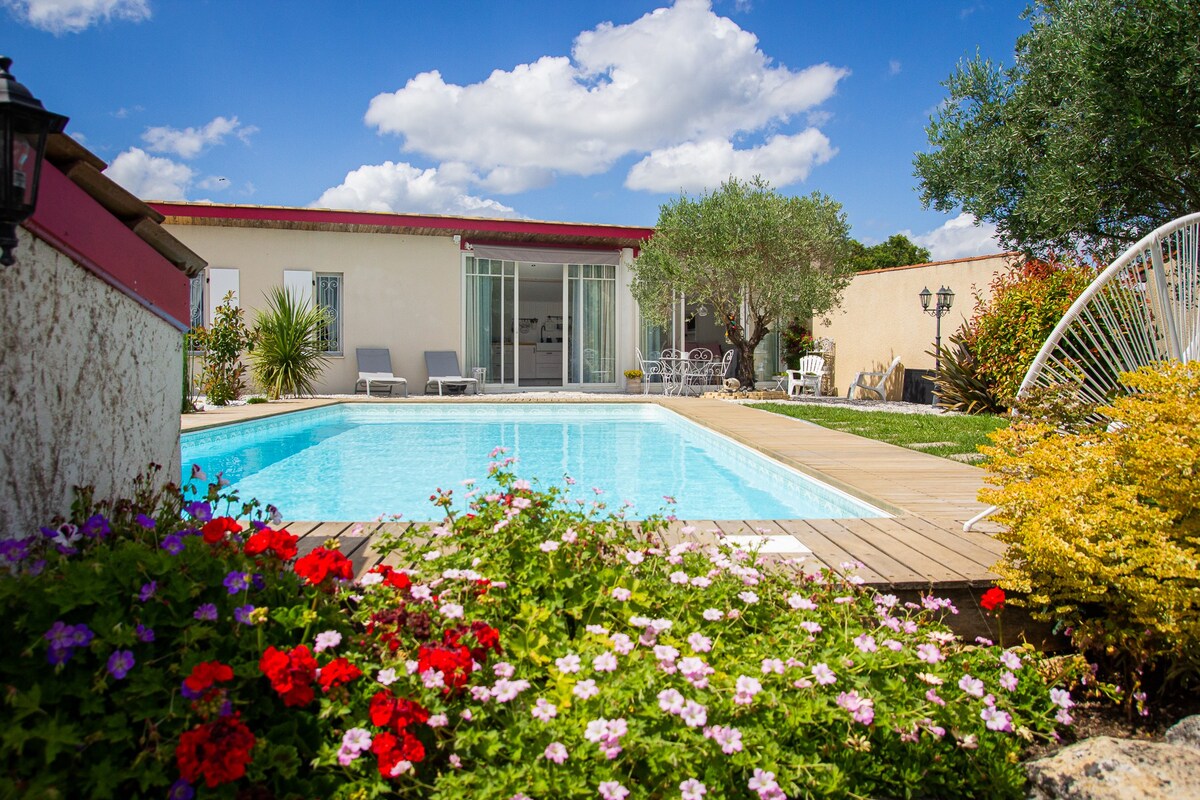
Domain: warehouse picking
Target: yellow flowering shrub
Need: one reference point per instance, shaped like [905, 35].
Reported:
[1103, 525]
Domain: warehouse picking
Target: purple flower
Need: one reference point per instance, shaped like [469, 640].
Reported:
[187, 693]
[236, 582]
[198, 473]
[173, 544]
[96, 527]
[258, 582]
[119, 663]
[181, 790]
[144, 634]
[207, 612]
[14, 550]
[199, 510]
[242, 614]
[64, 639]
[145, 522]
[147, 591]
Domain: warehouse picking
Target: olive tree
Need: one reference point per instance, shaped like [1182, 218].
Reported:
[751, 254]
[1089, 141]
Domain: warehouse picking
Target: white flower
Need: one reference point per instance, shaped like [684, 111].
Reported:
[568, 663]
[327, 640]
[605, 662]
[801, 603]
[621, 595]
[549, 546]
[451, 611]
[634, 557]
[386, 676]
[749, 598]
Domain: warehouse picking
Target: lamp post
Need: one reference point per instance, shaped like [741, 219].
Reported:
[24, 126]
[945, 299]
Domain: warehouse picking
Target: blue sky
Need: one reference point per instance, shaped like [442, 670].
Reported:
[573, 111]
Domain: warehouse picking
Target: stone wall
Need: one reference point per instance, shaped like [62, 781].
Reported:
[91, 388]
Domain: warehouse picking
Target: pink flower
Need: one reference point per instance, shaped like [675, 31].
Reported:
[556, 752]
[972, 686]
[503, 669]
[1061, 698]
[866, 643]
[605, 662]
[694, 715]
[749, 598]
[932, 696]
[730, 739]
[635, 558]
[665, 652]
[670, 701]
[585, 689]
[929, 653]
[1008, 682]
[764, 783]
[611, 790]
[712, 614]
[621, 594]
[692, 789]
[568, 663]
[548, 546]
[622, 643]
[860, 708]
[812, 627]
[678, 577]
[699, 643]
[823, 675]
[438, 721]
[544, 710]
[1011, 660]
[995, 719]
[770, 665]
[801, 603]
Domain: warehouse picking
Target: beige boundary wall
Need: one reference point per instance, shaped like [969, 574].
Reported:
[880, 316]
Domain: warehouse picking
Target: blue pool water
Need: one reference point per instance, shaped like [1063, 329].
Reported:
[356, 462]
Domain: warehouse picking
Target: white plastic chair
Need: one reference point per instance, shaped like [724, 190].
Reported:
[873, 382]
[808, 375]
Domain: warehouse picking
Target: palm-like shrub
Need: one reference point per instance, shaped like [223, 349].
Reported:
[287, 357]
[958, 383]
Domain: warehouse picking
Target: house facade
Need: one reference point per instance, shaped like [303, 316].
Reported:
[91, 337]
[534, 305]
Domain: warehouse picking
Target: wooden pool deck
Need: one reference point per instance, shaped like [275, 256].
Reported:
[921, 546]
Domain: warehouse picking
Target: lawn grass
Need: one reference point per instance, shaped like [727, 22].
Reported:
[953, 435]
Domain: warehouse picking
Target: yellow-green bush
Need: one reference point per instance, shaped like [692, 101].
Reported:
[1103, 526]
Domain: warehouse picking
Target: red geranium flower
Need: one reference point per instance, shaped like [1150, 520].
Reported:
[215, 529]
[206, 673]
[393, 577]
[217, 751]
[291, 674]
[453, 661]
[281, 543]
[388, 711]
[337, 672]
[322, 563]
[391, 750]
[993, 599]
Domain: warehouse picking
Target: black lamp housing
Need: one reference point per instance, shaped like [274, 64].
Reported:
[925, 295]
[945, 298]
[24, 127]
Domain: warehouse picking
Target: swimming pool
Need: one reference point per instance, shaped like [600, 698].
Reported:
[355, 462]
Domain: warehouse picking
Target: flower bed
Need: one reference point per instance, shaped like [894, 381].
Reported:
[531, 650]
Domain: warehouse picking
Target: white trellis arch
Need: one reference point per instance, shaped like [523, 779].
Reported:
[1142, 309]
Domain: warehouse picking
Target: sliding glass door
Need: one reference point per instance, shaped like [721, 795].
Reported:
[491, 320]
[591, 300]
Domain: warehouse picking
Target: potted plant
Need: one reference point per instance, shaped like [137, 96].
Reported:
[633, 380]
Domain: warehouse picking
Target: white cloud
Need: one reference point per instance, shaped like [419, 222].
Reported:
[782, 160]
[404, 188]
[677, 75]
[961, 237]
[894, 67]
[72, 16]
[150, 177]
[190, 142]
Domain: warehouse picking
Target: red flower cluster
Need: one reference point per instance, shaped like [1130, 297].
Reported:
[336, 673]
[487, 638]
[993, 599]
[218, 751]
[291, 674]
[392, 577]
[453, 661]
[205, 674]
[215, 529]
[322, 563]
[280, 543]
[396, 714]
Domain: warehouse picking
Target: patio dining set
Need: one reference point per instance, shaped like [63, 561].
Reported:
[685, 372]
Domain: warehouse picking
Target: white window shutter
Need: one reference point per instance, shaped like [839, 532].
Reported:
[221, 281]
[299, 283]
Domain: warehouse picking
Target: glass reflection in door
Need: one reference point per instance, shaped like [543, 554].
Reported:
[591, 323]
[491, 318]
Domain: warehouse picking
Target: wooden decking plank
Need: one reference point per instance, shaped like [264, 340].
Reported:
[932, 558]
[826, 549]
[979, 547]
[868, 548]
[370, 555]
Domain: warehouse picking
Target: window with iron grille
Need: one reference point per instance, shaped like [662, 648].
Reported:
[196, 287]
[329, 297]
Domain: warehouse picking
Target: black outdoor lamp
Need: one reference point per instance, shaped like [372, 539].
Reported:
[24, 124]
[945, 299]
